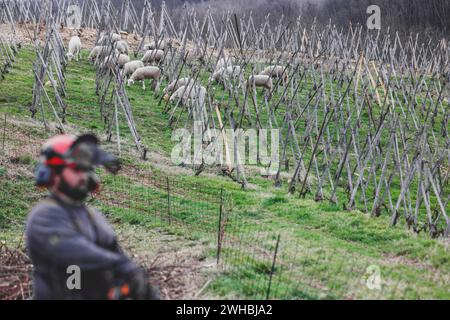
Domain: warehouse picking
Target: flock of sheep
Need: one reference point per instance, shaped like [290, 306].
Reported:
[186, 90]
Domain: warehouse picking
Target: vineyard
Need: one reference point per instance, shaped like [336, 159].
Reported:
[352, 169]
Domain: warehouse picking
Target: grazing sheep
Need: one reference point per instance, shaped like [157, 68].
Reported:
[50, 84]
[116, 59]
[192, 96]
[153, 56]
[226, 73]
[131, 67]
[109, 61]
[74, 48]
[123, 60]
[97, 51]
[174, 85]
[276, 72]
[116, 37]
[182, 93]
[107, 38]
[122, 46]
[224, 62]
[146, 73]
[162, 44]
[260, 80]
[189, 95]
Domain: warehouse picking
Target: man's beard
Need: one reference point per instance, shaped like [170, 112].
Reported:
[74, 193]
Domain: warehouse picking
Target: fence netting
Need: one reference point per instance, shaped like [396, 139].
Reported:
[263, 261]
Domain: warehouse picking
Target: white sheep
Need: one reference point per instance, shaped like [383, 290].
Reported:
[276, 72]
[174, 85]
[153, 56]
[107, 38]
[141, 74]
[192, 96]
[152, 45]
[131, 67]
[188, 93]
[122, 46]
[109, 61]
[197, 101]
[226, 73]
[260, 80]
[116, 37]
[74, 48]
[50, 84]
[223, 62]
[123, 60]
[97, 51]
[116, 59]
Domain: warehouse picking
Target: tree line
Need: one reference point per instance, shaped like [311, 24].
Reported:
[406, 16]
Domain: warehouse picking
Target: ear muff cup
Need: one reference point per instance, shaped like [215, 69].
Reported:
[94, 183]
[43, 175]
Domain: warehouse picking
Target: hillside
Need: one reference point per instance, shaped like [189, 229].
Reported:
[330, 252]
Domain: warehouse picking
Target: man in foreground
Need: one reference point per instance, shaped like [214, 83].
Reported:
[72, 247]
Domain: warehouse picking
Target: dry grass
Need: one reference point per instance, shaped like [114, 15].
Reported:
[15, 274]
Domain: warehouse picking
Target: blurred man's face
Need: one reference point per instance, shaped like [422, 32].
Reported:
[73, 183]
[75, 178]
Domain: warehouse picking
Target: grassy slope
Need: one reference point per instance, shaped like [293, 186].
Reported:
[352, 235]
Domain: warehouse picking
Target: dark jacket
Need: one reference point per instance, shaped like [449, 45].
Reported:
[59, 235]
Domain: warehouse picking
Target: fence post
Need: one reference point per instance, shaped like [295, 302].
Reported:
[168, 200]
[4, 136]
[273, 267]
[219, 229]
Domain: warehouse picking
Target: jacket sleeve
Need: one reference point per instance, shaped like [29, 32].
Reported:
[51, 235]
[107, 235]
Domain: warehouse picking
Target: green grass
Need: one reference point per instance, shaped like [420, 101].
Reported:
[325, 250]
